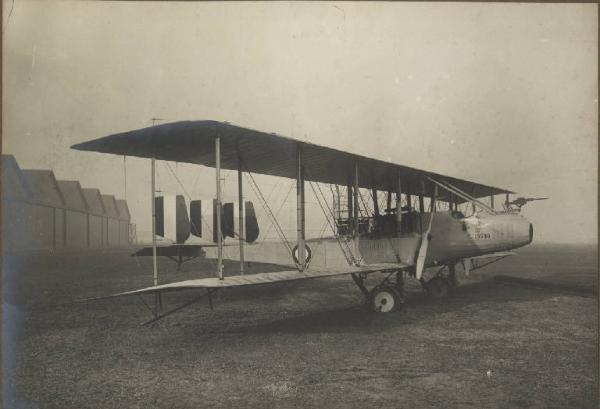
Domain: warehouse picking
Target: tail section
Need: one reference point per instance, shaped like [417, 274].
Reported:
[172, 221]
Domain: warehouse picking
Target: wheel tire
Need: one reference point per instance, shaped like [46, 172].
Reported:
[438, 287]
[453, 285]
[385, 299]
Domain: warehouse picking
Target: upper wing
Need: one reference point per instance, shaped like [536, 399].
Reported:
[262, 278]
[193, 142]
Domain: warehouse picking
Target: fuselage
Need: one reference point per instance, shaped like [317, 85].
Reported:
[453, 237]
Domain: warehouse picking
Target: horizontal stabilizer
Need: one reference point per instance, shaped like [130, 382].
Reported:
[184, 250]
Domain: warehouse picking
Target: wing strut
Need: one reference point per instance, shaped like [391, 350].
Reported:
[356, 224]
[218, 177]
[265, 205]
[425, 238]
[453, 189]
[154, 262]
[208, 294]
[346, 250]
[241, 212]
[398, 205]
[300, 211]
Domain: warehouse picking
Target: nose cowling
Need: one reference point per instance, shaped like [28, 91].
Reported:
[523, 231]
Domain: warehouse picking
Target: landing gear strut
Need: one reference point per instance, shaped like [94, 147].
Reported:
[438, 287]
[441, 286]
[387, 296]
[452, 276]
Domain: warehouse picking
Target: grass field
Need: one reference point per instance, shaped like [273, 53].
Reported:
[495, 344]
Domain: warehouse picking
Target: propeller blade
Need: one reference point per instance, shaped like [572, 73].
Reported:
[425, 238]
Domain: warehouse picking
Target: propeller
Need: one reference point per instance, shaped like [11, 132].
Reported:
[423, 248]
[425, 239]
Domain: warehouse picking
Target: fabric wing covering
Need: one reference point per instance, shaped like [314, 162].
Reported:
[262, 278]
[270, 154]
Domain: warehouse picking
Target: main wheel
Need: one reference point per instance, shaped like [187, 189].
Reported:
[385, 299]
[438, 287]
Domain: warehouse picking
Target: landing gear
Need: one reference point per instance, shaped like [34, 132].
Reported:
[438, 287]
[387, 296]
[452, 276]
[441, 286]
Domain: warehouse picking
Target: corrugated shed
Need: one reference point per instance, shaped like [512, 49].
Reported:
[93, 199]
[44, 189]
[14, 184]
[110, 206]
[71, 192]
[123, 210]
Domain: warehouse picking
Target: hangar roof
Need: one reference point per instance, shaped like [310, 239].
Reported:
[123, 210]
[94, 201]
[71, 192]
[44, 187]
[110, 206]
[14, 184]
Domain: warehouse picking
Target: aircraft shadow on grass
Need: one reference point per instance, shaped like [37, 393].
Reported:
[491, 293]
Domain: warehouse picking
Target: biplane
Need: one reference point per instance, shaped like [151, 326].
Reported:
[423, 227]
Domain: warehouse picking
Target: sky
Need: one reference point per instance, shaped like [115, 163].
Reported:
[501, 94]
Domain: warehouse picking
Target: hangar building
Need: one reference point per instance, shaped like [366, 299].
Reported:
[42, 213]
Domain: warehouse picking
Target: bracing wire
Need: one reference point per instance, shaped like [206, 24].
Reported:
[349, 256]
[268, 211]
[279, 210]
[453, 189]
[323, 229]
[189, 198]
[266, 207]
[366, 209]
[137, 261]
[275, 188]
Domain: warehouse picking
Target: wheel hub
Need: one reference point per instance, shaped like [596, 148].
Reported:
[383, 301]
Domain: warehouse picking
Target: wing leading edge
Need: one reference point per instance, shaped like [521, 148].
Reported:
[193, 142]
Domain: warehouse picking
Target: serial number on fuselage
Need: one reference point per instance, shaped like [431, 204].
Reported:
[480, 235]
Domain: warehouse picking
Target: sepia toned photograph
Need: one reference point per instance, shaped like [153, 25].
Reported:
[299, 204]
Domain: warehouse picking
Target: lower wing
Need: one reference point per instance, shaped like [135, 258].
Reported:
[262, 278]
